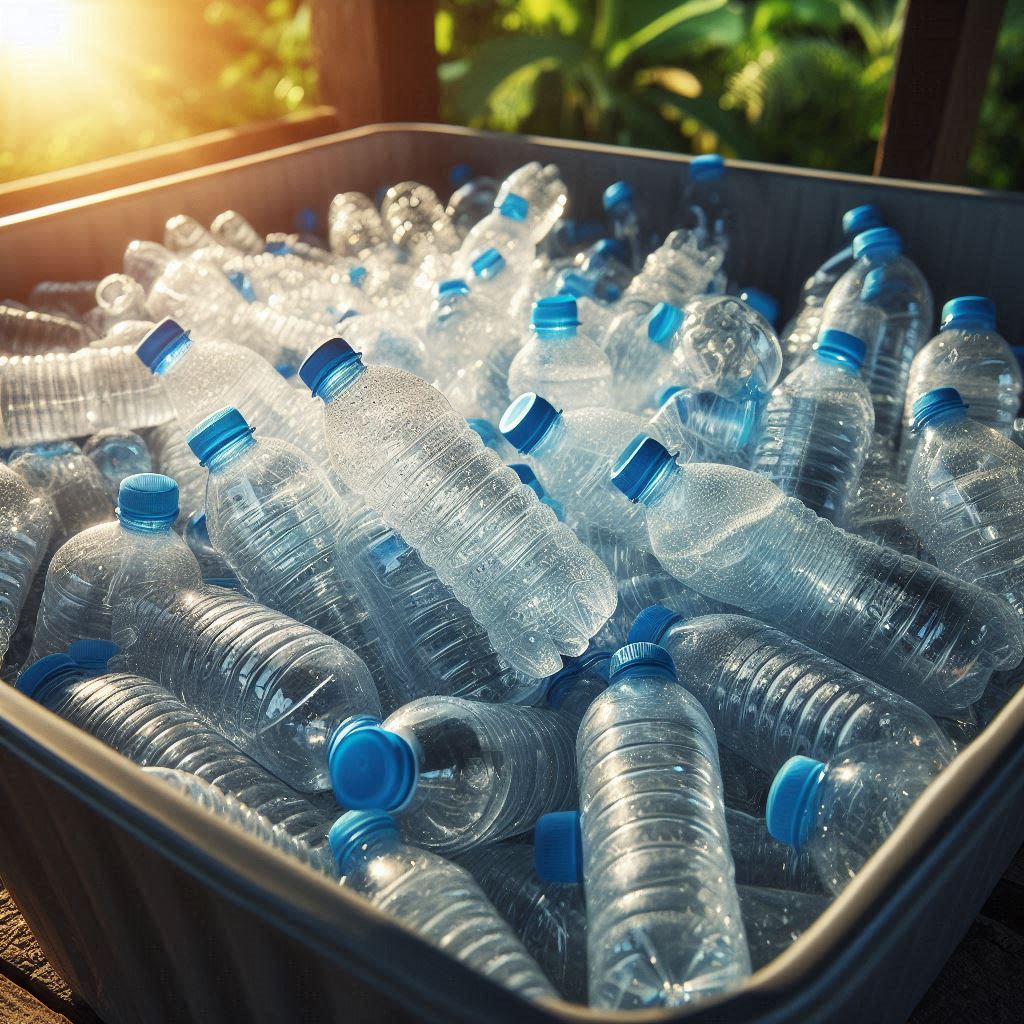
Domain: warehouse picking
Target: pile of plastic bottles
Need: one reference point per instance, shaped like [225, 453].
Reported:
[564, 610]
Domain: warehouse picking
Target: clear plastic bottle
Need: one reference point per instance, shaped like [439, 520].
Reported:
[116, 454]
[970, 355]
[557, 361]
[277, 520]
[842, 810]
[504, 229]
[471, 200]
[456, 773]
[25, 332]
[219, 804]
[230, 228]
[436, 899]
[382, 338]
[775, 918]
[397, 442]
[109, 563]
[734, 536]
[580, 681]
[544, 191]
[354, 225]
[142, 720]
[705, 212]
[770, 697]
[677, 271]
[274, 687]
[52, 397]
[213, 565]
[417, 220]
[651, 808]
[549, 917]
[816, 428]
[183, 233]
[966, 494]
[63, 298]
[762, 860]
[27, 524]
[762, 303]
[119, 299]
[172, 457]
[711, 428]
[642, 364]
[621, 211]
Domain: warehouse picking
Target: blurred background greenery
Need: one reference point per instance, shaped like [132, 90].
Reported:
[789, 81]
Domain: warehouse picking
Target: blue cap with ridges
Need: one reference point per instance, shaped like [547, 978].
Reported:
[968, 311]
[354, 829]
[793, 800]
[324, 360]
[147, 498]
[216, 432]
[765, 304]
[453, 286]
[860, 219]
[663, 321]
[641, 659]
[616, 193]
[558, 847]
[514, 207]
[52, 667]
[240, 280]
[651, 625]
[527, 420]
[92, 655]
[163, 339]
[488, 264]
[357, 275]
[839, 347]
[557, 313]
[876, 241]
[937, 405]
[643, 461]
[459, 175]
[559, 684]
[709, 167]
[370, 766]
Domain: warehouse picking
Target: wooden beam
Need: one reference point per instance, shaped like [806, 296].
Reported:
[377, 60]
[937, 86]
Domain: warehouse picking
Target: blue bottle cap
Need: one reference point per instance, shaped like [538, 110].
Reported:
[558, 847]
[608, 249]
[53, 666]
[453, 286]
[325, 360]
[879, 285]
[968, 311]
[616, 193]
[147, 498]
[839, 347]
[527, 476]
[357, 275]
[486, 431]
[286, 370]
[557, 313]
[354, 829]
[651, 625]
[709, 167]
[240, 280]
[488, 264]
[216, 432]
[861, 219]
[514, 207]
[936, 405]
[876, 241]
[643, 461]
[370, 767]
[663, 321]
[163, 339]
[641, 659]
[572, 282]
[559, 684]
[792, 800]
[765, 304]
[92, 655]
[459, 175]
[666, 393]
[527, 420]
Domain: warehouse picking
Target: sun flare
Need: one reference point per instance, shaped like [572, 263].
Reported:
[33, 29]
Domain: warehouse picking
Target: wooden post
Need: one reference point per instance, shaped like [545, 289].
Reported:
[937, 87]
[376, 59]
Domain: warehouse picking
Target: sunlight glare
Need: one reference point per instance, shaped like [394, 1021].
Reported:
[35, 28]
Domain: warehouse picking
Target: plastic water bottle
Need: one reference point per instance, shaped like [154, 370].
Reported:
[573, 453]
[471, 200]
[126, 334]
[775, 918]
[274, 687]
[967, 354]
[770, 697]
[544, 191]
[275, 517]
[734, 536]
[711, 428]
[230, 228]
[107, 564]
[572, 689]
[458, 328]
[436, 899]
[117, 454]
[25, 332]
[456, 773]
[354, 225]
[621, 211]
[816, 428]
[705, 209]
[606, 265]
[677, 271]
[762, 303]
[762, 860]
[213, 565]
[382, 338]
[119, 299]
[504, 229]
[966, 494]
[398, 443]
[549, 917]
[28, 522]
[900, 292]
[52, 397]
[71, 299]
[142, 720]
[492, 438]
[559, 362]
[417, 220]
[172, 457]
[651, 808]
[183, 233]
[528, 477]
[842, 810]
[218, 804]
[642, 363]
[492, 277]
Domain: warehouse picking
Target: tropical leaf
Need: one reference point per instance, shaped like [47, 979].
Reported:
[697, 23]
